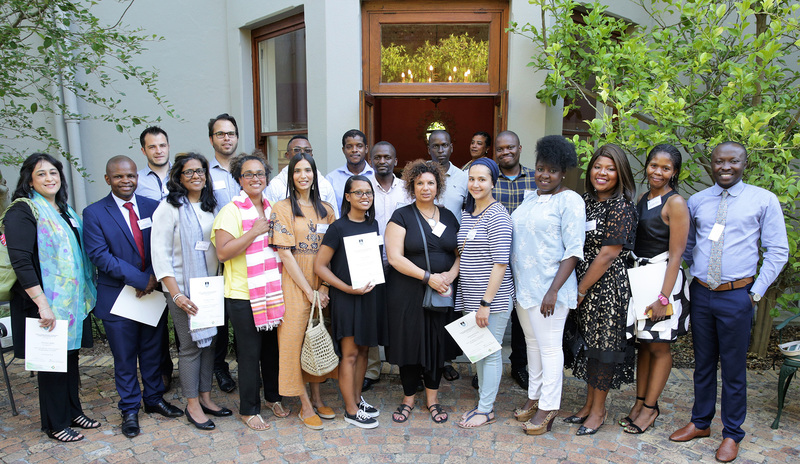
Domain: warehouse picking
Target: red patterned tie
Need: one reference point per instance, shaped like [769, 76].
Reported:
[137, 233]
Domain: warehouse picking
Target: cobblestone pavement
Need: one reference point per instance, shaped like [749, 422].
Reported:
[417, 441]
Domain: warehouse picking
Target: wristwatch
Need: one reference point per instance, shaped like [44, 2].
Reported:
[486, 304]
[662, 299]
[756, 297]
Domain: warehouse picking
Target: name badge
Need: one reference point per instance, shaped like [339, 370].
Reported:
[322, 228]
[438, 230]
[219, 184]
[202, 246]
[716, 232]
[144, 223]
[544, 198]
[527, 193]
[73, 222]
[471, 234]
[591, 225]
[653, 203]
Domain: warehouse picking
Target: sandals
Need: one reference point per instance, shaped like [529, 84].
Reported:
[635, 429]
[436, 412]
[278, 410]
[626, 421]
[464, 424]
[248, 419]
[403, 412]
[85, 423]
[449, 373]
[65, 436]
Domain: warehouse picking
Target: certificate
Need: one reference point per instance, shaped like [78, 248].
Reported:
[45, 350]
[208, 294]
[476, 342]
[147, 309]
[364, 259]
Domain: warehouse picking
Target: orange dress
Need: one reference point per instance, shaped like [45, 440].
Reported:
[301, 235]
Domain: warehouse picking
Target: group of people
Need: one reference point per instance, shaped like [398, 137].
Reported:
[511, 244]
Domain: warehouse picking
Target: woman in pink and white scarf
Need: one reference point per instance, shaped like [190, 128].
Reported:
[253, 296]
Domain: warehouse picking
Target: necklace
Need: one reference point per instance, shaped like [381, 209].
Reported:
[431, 220]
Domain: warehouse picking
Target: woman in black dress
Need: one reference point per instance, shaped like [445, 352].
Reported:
[660, 236]
[418, 341]
[603, 288]
[356, 313]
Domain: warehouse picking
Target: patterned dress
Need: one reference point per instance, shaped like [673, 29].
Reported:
[607, 359]
[303, 236]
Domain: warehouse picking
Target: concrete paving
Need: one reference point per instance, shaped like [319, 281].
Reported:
[417, 441]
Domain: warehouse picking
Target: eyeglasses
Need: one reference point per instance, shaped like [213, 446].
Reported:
[360, 194]
[221, 135]
[189, 173]
[249, 175]
[307, 151]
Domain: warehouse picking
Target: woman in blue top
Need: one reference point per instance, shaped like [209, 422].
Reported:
[548, 243]
[485, 285]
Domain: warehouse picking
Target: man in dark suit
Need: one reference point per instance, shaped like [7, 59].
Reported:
[117, 240]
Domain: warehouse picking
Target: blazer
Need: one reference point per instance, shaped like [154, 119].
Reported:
[110, 246]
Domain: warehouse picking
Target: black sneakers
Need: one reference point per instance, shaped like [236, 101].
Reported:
[361, 419]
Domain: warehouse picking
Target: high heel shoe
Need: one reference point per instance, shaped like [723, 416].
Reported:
[545, 426]
[636, 430]
[207, 425]
[625, 421]
[523, 415]
[583, 430]
[573, 419]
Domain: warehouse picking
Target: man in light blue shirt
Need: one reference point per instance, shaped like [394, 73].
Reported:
[277, 188]
[729, 222]
[153, 178]
[440, 147]
[355, 149]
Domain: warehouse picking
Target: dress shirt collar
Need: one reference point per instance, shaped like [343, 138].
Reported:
[121, 202]
[735, 190]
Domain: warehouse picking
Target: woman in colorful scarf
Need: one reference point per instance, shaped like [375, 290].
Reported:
[253, 296]
[182, 250]
[299, 222]
[54, 284]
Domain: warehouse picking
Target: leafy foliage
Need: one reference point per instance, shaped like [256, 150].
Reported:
[461, 52]
[703, 73]
[50, 46]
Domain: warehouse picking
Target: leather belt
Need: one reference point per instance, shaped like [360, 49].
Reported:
[736, 284]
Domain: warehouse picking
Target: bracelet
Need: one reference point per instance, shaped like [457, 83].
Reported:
[175, 298]
[37, 295]
[582, 295]
[325, 284]
[486, 303]
[426, 278]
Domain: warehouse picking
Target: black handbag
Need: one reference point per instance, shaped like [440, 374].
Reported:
[433, 301]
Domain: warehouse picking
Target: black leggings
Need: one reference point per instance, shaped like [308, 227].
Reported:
[410, 374]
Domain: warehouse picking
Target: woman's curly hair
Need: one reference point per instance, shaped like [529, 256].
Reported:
[418, 167]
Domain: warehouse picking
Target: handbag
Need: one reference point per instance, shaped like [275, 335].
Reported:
[432, 300]
[317, 356]
[7, 275]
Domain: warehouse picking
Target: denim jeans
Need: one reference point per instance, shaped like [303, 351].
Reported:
[490, 368]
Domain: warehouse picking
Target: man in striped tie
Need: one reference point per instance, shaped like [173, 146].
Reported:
[729, 222]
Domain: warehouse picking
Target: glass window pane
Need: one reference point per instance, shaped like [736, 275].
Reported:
[282, 82]
[455, 53]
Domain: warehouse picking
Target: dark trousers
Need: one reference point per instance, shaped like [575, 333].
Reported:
[59, 402]
[166, 359]
[409, 376]
[721, 323]
[130, 342]
[519, 350]
[258, 351]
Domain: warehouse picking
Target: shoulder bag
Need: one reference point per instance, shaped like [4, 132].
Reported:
[317, 357]
[433, 301]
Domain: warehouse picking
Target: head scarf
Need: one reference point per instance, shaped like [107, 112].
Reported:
[495, 172]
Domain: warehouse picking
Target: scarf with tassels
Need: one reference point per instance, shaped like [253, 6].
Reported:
[263, 269]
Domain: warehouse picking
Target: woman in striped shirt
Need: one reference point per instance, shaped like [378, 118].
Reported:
[485, 283]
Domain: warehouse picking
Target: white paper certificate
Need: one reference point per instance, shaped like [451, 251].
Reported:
[147, 309]
[208, 294]
[646, 282]
[45, 351]
[476, 342]
[364, 259]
